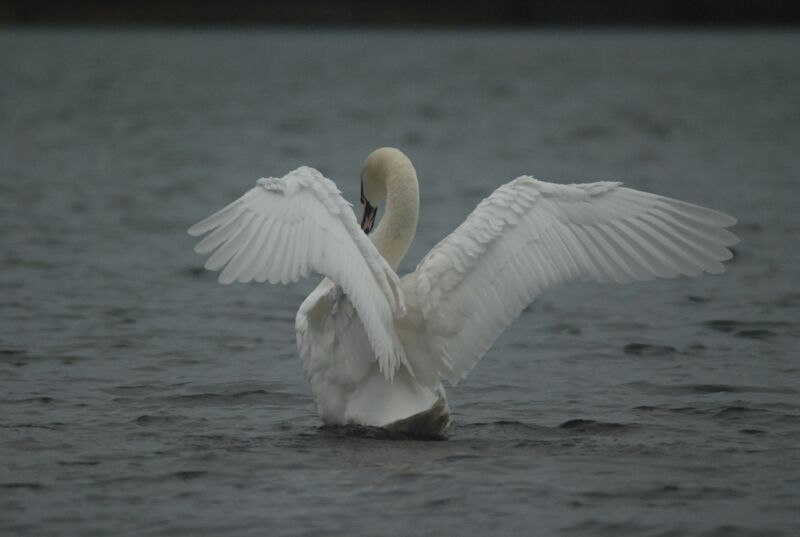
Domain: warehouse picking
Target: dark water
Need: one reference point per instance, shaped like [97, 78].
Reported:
[138, 397]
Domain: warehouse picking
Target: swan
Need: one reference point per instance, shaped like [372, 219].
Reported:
[376, 347]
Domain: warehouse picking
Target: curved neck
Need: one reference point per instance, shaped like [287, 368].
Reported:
[398, 226]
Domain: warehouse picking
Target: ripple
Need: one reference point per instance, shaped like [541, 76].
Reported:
[256, 396]
[49, 426]
[22, 485]
[644, 349]
[749, 329]
[187, 475]
[729, 530]
[756, 334]
[754, 419]
[737, 412]
[666, 491]
[612, 529]
[686, 389]
[148, 420]
[504, 427]
[41, 399]
[595, 427]
[374, 433]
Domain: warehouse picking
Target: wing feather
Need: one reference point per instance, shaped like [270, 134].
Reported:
[219, 219]
[529, 236]
[282, 229]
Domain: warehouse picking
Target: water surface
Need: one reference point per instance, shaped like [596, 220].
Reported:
[139, 397]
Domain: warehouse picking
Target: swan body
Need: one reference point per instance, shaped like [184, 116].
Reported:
[375, 347]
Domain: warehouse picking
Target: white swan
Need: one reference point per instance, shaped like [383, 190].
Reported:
[376, 347]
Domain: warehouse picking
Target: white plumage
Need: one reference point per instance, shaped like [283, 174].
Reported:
[282, 229]
[375, 347]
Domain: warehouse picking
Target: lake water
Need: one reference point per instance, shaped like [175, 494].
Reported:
[139, 397]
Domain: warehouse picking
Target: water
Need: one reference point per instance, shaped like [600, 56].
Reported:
[139, 397]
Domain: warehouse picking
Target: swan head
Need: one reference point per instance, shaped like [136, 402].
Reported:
[381, 167]
[388, 178]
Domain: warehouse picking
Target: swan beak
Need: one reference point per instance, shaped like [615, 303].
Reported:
[370, 212]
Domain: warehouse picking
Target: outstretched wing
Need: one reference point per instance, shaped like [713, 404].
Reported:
[282, 229]
[530, 235]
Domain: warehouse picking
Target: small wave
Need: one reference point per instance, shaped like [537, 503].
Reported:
[257, 396]
[789, 418]
[614, 529]
[759, 420]
[729, 530]
[41, 399]
[132, 389]
[595, 427]
[148, 419]
[690, 410]
[22, 485]
[49, 426]
[667, 491]
[644, 349]
[21, 357]
[374, 433]
[186, 475]
[757, 334]
[748, 329]
[214, 396]
[460, 457]
[688, 389]
[506, 426]
[736, 412]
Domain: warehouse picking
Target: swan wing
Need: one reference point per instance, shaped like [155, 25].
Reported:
[530, 235]
[331, 338]
[284, 228]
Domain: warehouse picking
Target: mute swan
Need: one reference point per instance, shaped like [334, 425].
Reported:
[375, 347]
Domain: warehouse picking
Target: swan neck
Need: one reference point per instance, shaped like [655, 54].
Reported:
[397, 228]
